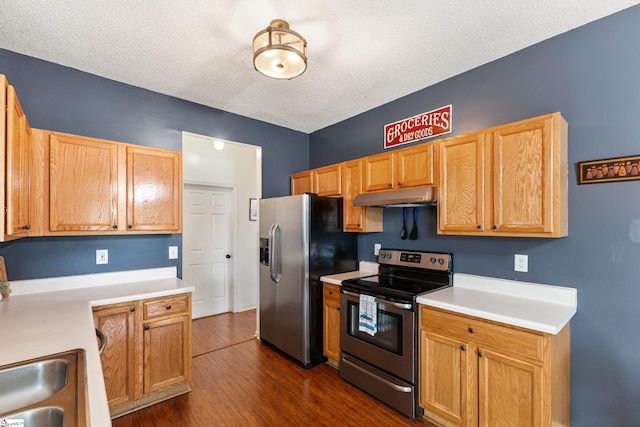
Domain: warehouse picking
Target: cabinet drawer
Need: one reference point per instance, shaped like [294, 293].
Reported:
[503, 338]
[331, 292]
[165, 306]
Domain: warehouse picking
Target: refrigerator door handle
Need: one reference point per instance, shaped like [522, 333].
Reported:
[274, 253]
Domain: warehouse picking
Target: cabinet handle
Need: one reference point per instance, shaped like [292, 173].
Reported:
[115, 227]
[480, 354]
[129, 226]
[479, 226]
[330, 292]
[399, 183]
[463, 348]
[338, 308]
[168, 307]
[132, 309]
[359, 226]
[391, 184]
[495, 227]
[146, 328]
[471, 330]
[26, 227]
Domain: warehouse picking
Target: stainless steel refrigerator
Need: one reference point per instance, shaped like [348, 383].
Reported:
[301, 239]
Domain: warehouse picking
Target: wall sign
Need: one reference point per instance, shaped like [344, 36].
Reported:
[618, 169]
[423, 126]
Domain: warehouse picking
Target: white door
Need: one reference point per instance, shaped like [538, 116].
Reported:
[207, 255]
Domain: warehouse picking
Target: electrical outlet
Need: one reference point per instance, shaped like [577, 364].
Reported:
[102, 256]
[521, 263]
[376, 248]
[173, 252]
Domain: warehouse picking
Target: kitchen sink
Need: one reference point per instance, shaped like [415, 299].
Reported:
[46, 416]
[48, 391]
[27, 384]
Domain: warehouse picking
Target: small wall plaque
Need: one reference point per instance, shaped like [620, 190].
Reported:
[606, 170]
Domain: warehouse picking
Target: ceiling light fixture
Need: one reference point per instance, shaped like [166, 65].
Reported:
[279, 52]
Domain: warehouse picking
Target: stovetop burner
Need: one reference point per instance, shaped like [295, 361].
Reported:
[405, 274]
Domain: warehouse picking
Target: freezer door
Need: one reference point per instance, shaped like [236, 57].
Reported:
[267, 302]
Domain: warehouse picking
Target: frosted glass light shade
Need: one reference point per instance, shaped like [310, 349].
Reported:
[279, 52]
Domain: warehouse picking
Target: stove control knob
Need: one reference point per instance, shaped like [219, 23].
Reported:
[433, 260]
[441, 261]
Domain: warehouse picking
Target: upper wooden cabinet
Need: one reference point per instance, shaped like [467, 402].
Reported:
[378, 174]
[98, 186]
[302, 182]
[510, 180]
[17, 148]
[327, 181]
[414, 166]
[357, 218]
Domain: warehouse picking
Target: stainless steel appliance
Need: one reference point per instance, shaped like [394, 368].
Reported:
[301, 239]
[385, 364]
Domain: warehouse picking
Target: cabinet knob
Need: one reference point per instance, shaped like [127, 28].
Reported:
[330, 292]
[129, 226]
[480, 354]
[146, 328]
[359, 225]
[391, 184]
[115, 227]
[471, 330]
[168, 307]
[26, 227]
[338, 308]
[132, 309]
[495, 227]
[399, 183]
[463, 348]
[479, 226]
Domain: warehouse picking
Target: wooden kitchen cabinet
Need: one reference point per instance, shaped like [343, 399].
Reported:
[16, 195]
[121, 355]
[327, 181]
[105, 187]
[357, 218]
[331, 322]
[378, 173]
[302, 182]
[147, 358]
[414, 166]
[477, 372]
[510, 180]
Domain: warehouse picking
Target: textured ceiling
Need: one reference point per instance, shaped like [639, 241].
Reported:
[362, 54]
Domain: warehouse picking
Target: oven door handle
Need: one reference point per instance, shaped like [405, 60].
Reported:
[400, 305]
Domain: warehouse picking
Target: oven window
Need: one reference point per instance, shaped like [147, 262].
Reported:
[390, 328]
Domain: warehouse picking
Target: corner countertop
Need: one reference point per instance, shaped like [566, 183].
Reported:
[539, 307]
[49, 316]
[366, 268]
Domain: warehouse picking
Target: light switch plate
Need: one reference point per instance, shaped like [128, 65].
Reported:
[102, 256]
[376, 248]
[173, 252]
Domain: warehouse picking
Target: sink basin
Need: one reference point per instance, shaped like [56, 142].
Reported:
[47, 416]
[47, 391]
[25, 385]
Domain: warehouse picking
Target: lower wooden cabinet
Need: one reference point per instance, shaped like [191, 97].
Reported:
[331, 322]
[147, 356]
[481, 373]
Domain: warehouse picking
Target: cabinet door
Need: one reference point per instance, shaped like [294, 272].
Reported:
[379, 172]
[167, 353]
[446, 379]
[353, 215]
[509, 391]
[120, 358]
[328, 180]
[331, 315]
[301, 183]
[523, 177]
[414, 166]
[154, 190]
[18, 169]
[461, 199]
[83, 184]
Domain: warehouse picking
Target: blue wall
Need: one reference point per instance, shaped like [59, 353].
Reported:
[67, 100]
[592, 76]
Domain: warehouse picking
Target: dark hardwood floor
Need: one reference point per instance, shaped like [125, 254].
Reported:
[237, 381]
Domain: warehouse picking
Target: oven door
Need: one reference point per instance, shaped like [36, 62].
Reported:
[392, 348]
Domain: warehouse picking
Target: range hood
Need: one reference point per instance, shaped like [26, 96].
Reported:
[424, 196]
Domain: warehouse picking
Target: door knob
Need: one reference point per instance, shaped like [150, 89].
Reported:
[227, 256]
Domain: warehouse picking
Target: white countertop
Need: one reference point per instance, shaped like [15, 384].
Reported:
[366, 268]
[539, 307]
[48, 316]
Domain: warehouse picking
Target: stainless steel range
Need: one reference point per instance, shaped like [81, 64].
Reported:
[379, 324]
